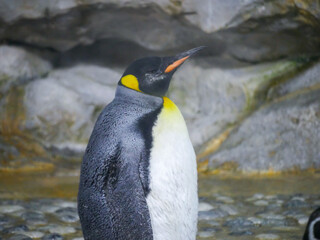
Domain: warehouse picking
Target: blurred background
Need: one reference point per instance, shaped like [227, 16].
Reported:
[251, 100]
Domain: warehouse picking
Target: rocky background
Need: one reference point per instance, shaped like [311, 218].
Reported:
[251, 99]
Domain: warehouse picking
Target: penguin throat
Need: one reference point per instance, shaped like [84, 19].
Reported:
[169, 105]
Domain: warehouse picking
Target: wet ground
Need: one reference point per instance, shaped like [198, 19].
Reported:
[231, 207]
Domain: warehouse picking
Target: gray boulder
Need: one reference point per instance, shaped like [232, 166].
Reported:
[249, 99]
[245, 30]
[61, 109]
[18, 65]
[281, 136]
[214, 99]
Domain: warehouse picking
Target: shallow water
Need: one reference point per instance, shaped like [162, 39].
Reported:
[234, 207]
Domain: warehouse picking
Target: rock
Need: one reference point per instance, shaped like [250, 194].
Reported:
[16, 229]
[256, 196]
[5, 220]
[18, 65]
[222, 98]
[224, 199]
[34, 234]
[303, 220]
[10, 208]
[261, 203]
[34, 218]
[296, 203]
[225, 99]
[212, 214]
[49, 208]
[205, 207]
[245, 29]
[206, 234]
[267, 236]
[240, 232]
[61, 229]
[68, 214]
[53, 236]
[256, 221]
[306, 77]
[271, 216]
[54, 113]
[20, 237]
[239, 222]
[62, 108]
[213, 15]
[286, 132]
[67, 28]
[230, 209]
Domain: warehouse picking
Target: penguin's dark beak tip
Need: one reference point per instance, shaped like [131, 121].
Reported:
[181, 57]
[191, 52]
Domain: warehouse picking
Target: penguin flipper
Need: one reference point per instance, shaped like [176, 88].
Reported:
[114, 206]
[125, 195]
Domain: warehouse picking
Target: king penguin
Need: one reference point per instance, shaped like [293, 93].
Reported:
[138, 175]
[312, 231]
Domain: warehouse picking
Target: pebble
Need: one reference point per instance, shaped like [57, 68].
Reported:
[53, 236]
[220, 217]
[261, 203]
[271, 216]
[240, 232]
[279, 202]
[316, 203]
[224, 199]
[10, 208]
[20, 237]
[68, 214]
[205, 234]
[271, 197]
[203, 206]
[213, 223]
[5, 220]
[256, 196]
[231, 210]
[267, 236]
[49, 208]
[211, 215]
[303, 220]
[34, 234]
[34, 218]
[296, 203]
[16, 229]
[256, 221]
[61, 230]
[65, 204]
[239, 222]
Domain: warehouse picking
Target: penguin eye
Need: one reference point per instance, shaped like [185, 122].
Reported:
[152, 71]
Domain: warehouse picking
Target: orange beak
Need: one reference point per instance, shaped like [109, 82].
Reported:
[175, 64]
[180, 58]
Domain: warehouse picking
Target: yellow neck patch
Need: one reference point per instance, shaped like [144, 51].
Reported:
[130, 81]
[169, 105]
[171, 114]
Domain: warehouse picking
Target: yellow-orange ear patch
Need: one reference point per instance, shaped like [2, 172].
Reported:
[175, 64]
[130, 81]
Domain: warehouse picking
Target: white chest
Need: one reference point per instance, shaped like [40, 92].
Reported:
[173, 199]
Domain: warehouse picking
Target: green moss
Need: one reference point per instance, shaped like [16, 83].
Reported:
[4, 79]
[256, 90]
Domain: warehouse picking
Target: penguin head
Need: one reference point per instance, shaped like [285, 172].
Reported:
[152, 75]
[313, 227]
